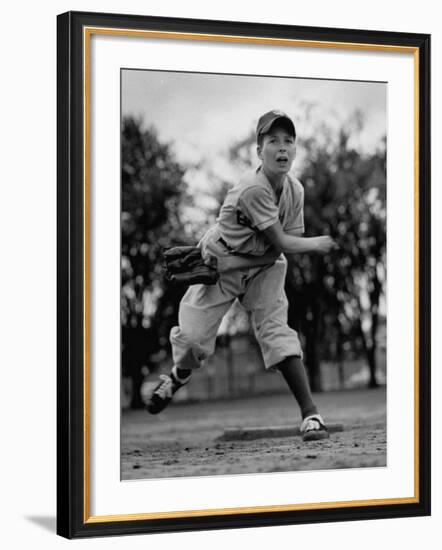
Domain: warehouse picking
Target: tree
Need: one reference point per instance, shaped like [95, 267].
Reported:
[152, 188]
[344, 197]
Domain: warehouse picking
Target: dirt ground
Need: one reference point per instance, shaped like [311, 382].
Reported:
[182, 441]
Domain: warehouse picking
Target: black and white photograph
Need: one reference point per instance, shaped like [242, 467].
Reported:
[222, 249]
[253, 274]
[243, 274]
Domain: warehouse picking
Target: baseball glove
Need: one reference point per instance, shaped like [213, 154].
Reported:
[185, 265]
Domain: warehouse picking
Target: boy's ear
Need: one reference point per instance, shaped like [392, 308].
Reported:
[258, 152]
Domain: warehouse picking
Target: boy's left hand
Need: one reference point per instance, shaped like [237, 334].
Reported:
[185, 265]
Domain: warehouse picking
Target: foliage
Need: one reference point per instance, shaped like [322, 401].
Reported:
[340, 293]
[152, 190]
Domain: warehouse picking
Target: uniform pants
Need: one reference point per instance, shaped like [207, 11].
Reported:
[260, 290]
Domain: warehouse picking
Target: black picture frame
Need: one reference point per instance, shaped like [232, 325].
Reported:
[73, 518]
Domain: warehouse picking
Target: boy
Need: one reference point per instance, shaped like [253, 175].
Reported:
[261, 219]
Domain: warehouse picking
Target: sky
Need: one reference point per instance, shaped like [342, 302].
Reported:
[201, 115]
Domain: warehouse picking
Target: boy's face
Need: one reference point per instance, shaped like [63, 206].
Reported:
[277, 150]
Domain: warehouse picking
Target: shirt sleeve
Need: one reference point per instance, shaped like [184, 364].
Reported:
[297, 216]
[256, 207]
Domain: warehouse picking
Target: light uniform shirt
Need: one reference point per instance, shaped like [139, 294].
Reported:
[251, 206]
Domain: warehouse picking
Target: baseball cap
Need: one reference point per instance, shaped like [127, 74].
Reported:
[265, 122]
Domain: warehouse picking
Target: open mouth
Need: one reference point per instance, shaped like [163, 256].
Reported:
[282, 160]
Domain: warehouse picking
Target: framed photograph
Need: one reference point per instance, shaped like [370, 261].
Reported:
[243, 274]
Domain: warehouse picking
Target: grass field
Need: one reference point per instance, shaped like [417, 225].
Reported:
[182, 441]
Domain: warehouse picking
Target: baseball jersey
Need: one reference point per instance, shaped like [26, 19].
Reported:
[251, 206]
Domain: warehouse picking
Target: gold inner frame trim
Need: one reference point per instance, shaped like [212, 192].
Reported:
[87, 33]
[243, 510]
[416, 276]
[87, 282]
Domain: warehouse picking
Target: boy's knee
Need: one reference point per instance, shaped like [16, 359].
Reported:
[187, 338]
[187, 349]
[277, 342]
[267, 330]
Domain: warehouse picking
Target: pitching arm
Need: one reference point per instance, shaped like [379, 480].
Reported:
[291, 244]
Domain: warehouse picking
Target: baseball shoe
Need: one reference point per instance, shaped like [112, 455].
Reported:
[313, 428]
[163, 393]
